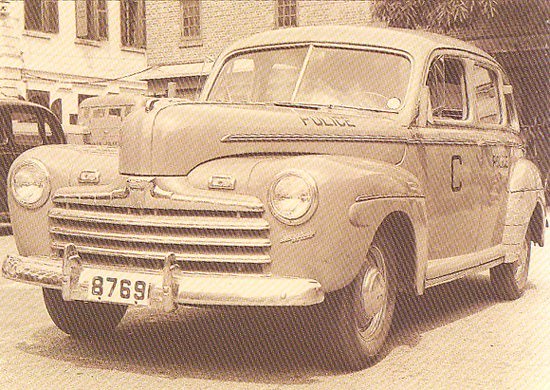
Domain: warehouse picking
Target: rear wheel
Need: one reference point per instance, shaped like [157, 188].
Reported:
[361, 313]
[509, 280]
[82, 319]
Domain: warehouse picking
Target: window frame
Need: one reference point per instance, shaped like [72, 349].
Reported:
[468, 120]
[209, 86]
[281, 16]
[47, 21]
[191, 10]
[499, 94]
[92, 21]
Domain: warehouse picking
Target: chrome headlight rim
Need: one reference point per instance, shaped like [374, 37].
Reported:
[46, 190]
[313, 194]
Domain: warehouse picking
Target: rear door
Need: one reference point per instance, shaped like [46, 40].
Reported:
[496, 144]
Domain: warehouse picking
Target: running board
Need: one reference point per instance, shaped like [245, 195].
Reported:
[462, 273]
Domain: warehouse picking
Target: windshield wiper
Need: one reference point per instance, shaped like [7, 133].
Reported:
[297, 105]
[360, 108]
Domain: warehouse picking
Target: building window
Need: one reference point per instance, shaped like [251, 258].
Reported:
[39, 97]
[287, 14]
[132, 21]
[191, 20]
[91, 19]
[42, 15]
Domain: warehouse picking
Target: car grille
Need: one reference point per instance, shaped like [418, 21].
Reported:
[210, 241]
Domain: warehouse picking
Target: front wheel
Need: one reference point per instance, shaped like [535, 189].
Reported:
[509, 280]
[361, 313]
[82, 319]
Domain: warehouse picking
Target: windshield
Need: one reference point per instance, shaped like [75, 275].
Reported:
[315, 75]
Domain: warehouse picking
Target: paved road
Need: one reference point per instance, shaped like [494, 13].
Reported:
[457, 336]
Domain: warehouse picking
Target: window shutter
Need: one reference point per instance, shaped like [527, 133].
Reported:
[33, 14]
[124, 21]
[81, 19]
[51, 14]
[102, 19]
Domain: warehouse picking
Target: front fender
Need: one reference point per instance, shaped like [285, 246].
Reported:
[525, 196]
[355, 196]
[64, 164]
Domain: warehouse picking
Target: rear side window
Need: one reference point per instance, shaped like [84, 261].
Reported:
[487, 97]
[447, 86]
[115, 112]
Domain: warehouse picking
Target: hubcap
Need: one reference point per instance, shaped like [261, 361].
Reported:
[522, 262]
[374, 290]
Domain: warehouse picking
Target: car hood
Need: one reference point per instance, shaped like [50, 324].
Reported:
[172, 139]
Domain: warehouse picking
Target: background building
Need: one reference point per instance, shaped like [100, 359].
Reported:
[57, 53]
[185, 36]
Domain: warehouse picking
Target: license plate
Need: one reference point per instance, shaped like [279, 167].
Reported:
[118, 287]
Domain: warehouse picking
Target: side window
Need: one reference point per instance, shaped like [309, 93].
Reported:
[509, 101]
[487, 97]
[4, 127]
[117, 112]
[26, 129]
[98, 113]
[447, 86]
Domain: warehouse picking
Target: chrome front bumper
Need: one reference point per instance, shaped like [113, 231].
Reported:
[172, 287]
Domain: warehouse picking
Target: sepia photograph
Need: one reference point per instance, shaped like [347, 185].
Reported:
[274, 194]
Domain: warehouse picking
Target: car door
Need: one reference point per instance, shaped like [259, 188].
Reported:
[5, 160]
[23, 126]
[450, 160]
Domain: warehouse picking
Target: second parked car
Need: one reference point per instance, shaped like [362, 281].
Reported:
[23, 125]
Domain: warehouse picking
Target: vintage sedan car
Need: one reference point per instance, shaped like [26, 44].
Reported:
[23, 125]
[101, 117]
[324, 168]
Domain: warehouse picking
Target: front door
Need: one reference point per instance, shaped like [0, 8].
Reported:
[449, 152]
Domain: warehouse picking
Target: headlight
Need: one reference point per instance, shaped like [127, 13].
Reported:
[293, 197]
[30, 184]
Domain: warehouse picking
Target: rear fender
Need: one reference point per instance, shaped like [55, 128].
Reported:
[525, 208]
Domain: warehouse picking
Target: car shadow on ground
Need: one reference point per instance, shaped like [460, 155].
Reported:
[265, 346]
[439, 306]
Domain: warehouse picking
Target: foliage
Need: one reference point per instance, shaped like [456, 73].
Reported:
[436, 15]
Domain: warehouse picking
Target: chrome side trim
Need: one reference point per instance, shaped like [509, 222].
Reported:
[360, 138]
[364, 198]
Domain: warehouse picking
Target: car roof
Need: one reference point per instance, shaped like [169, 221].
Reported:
[9, 101]
[122, 99]
[417, 43]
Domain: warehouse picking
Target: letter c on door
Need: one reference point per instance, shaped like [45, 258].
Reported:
[456, 185]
